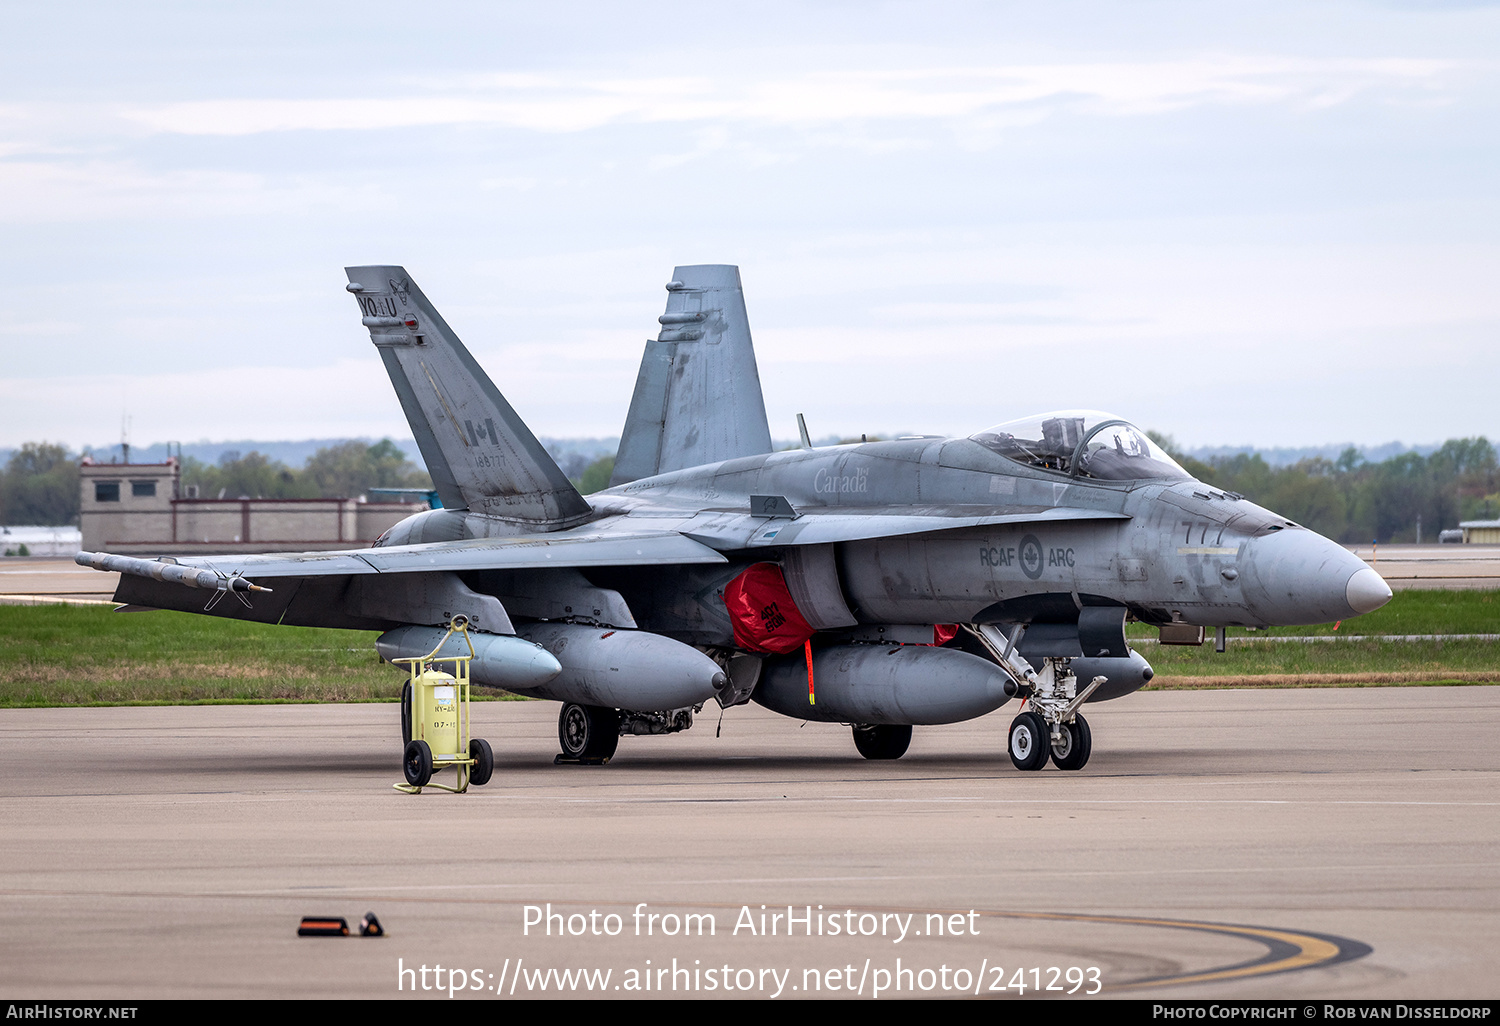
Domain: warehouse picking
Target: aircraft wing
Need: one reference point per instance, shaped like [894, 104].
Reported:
[561, 549]
[313, 588]
[694, 539]
[821, 526]
[530, 551]
[310, 587]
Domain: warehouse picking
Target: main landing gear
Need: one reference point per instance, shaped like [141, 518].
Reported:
[589, 734]
[881, 740]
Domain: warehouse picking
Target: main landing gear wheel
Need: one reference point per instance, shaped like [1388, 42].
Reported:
[417, 763]
[406, 713]
[588, 733]
[484, 762]
[1071, 749]
[882, 741]
[1028, 741]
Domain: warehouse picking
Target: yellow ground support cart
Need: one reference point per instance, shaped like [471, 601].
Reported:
[435, 719]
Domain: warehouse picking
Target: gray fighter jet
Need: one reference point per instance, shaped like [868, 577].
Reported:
[882, 584]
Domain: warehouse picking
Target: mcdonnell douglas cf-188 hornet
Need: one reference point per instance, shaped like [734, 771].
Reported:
[883, 584]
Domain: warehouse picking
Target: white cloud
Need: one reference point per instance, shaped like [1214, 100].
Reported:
[571, 103]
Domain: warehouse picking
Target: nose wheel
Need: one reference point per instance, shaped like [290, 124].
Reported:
[1072, 745]
[1028, 741]
[1032, 741]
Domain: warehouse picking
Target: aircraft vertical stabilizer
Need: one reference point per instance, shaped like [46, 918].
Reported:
[480, 454]
[697, 399]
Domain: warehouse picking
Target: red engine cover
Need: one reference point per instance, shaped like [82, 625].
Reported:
[765, 617]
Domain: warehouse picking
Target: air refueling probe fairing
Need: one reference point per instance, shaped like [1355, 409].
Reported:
[883, 584]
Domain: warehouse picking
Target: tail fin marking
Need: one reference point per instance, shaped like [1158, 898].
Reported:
[481, 455]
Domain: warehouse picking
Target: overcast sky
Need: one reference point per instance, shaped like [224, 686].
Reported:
[1262, 223]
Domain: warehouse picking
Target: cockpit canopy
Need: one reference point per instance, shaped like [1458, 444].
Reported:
[1083, 443]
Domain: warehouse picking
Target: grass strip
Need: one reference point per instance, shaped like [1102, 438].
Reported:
[86, 655]
[56, 655]
[1419, 611]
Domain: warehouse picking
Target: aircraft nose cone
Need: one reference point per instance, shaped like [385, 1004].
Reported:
[1298, 577]
[1367, 591]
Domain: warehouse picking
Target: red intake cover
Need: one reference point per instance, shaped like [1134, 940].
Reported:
[765, 617]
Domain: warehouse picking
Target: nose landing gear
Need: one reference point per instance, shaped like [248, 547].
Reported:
[1053, 725]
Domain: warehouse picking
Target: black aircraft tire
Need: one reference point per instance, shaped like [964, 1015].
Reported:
[883, 741]
[1028, 741]
[588, 732]
[484, 766]
[1078, 744]
[406, 713]
[418, 763]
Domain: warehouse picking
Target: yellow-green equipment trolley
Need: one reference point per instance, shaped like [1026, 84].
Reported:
[435, 721]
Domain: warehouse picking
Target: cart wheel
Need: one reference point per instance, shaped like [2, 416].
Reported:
[406, 713]
[479, 773]
[418, 763]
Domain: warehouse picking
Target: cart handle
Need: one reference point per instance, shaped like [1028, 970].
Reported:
[460, 624]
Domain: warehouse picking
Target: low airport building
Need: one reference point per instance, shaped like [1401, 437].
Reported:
[1480, 532]
[139, 509]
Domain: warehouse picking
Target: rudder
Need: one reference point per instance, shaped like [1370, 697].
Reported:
[697, 398]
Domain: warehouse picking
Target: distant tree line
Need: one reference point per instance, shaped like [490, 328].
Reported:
[595, 476]
[1351, 501]
[39, 486]
[40, 482]
[346, 470]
